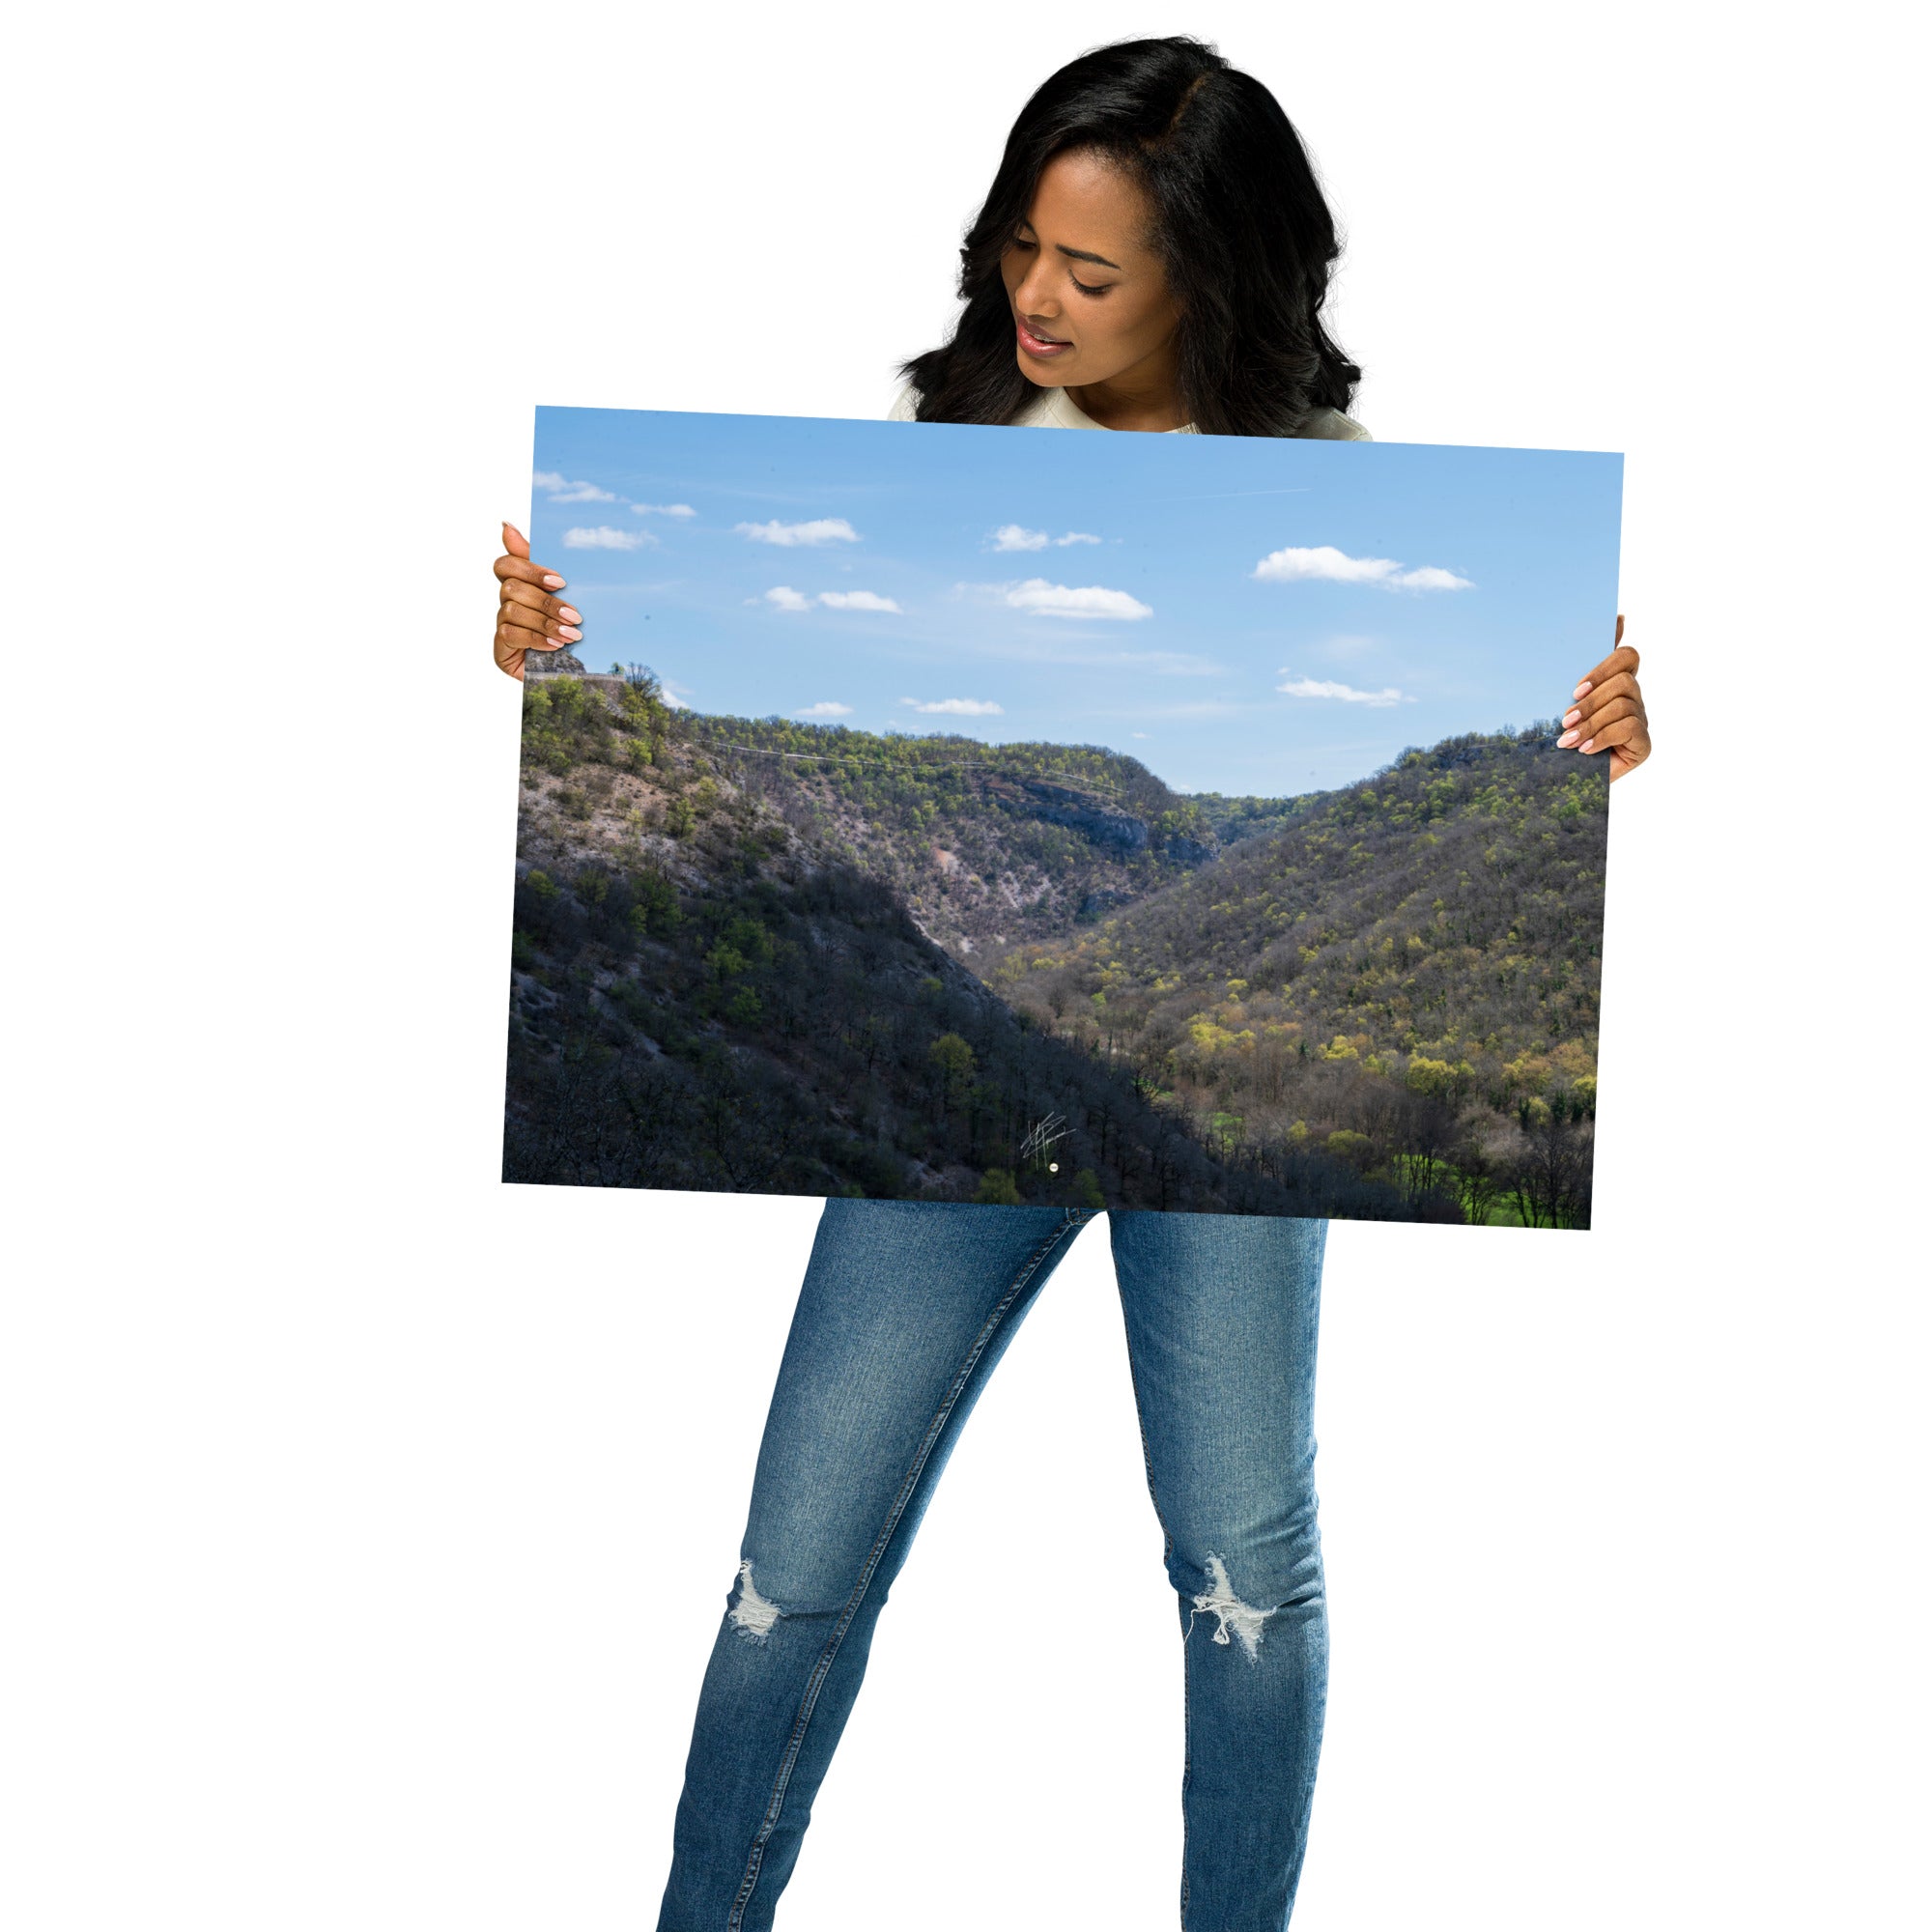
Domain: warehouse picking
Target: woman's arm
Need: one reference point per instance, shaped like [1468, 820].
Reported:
[1606, 712]
[529, 618]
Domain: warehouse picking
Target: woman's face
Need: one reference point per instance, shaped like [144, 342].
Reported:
[1091, 301]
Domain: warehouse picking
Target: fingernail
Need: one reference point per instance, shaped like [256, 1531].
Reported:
[1568, 738]
[569, 615]
[1588, 744]
[1581, 689]
[556, 583]
[1569, 717]
[569, 633]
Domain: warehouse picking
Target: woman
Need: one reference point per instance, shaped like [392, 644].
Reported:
[1152, 255]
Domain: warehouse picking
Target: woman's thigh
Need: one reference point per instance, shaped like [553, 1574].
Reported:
[1222, 1315]
[904, 1311]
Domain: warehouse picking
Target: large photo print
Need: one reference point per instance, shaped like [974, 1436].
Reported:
[1164, 822]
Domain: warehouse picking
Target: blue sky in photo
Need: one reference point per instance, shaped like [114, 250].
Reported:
[1243, 614]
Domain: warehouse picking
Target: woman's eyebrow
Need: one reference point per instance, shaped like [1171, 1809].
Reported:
[1088, 255]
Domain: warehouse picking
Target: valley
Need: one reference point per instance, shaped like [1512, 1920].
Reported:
[766, 955]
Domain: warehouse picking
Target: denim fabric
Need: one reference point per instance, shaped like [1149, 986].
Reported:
[905, 1310]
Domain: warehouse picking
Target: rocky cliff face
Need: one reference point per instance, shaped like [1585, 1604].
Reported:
[985, 845]
[1103, 824]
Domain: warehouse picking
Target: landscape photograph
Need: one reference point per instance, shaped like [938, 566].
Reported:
[1156, 822]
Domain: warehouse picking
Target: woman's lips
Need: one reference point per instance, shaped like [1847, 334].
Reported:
[1043, 345]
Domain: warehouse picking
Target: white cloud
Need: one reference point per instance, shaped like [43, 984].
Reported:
[1140, 734]
[663, 509]
[1042, 599]
[1324, 687]
[1017, 536]
[1429, 578]
[1327, 564]
[786, 598]
[958, 707]
[856, 600]
[603, 537]
[676, 695]
[821, 529]
[828, 709]
[562, 489]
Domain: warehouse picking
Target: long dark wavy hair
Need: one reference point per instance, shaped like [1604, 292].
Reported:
[1242, 232]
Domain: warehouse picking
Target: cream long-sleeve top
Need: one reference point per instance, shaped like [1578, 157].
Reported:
[1055, 408]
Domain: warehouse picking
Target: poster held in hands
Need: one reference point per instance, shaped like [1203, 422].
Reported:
[1159, 822]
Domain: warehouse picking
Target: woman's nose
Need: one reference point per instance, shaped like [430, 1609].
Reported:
[1033, 296]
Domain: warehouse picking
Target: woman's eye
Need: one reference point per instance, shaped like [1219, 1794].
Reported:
[1097, 289]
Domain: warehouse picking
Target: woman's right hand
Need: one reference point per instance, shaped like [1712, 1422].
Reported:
[529, 618]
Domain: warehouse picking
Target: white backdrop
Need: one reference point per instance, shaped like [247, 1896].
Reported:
[367, 1522]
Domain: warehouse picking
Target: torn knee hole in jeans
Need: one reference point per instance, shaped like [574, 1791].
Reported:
[1238, 1622]
[752, 1615]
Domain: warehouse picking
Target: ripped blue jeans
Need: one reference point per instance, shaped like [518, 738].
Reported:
[905, 1310]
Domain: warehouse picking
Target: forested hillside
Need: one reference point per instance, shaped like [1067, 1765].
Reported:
[707, 992]
[985, 844]
[740, 954]
[1406, 974]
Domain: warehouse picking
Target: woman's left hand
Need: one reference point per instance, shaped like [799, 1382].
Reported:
[1606, 712]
